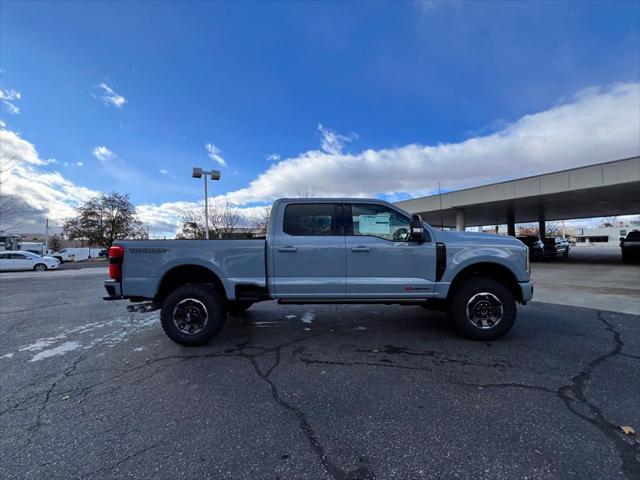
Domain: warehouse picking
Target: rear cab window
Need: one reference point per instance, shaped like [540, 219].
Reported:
[312, 219]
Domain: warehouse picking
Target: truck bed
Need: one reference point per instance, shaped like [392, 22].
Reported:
[235, 262]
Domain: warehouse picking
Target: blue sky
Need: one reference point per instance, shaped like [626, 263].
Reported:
[257, 79]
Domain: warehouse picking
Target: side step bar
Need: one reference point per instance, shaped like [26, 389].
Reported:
[352, 301]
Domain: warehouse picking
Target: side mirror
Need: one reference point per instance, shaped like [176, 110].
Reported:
[416, 230]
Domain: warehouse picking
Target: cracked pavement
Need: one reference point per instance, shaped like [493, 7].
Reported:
[352, 392]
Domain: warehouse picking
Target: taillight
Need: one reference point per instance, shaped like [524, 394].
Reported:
[116, 257]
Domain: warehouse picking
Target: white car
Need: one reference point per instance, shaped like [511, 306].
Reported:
[21, 260]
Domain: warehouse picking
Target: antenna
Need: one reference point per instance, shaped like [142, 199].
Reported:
[441, 214]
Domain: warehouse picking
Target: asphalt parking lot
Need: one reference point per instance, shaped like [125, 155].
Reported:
[338, 392]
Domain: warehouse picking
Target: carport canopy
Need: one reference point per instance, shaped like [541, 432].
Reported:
[600, 190]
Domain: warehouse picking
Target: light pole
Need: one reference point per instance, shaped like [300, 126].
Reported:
[215, 175]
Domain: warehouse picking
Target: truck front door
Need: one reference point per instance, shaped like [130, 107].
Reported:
[381, 262]
[309, 251]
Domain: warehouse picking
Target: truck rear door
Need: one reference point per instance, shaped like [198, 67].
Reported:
[308, 251]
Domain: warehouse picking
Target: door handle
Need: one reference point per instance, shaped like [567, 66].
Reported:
[360, 249]
[287, 249]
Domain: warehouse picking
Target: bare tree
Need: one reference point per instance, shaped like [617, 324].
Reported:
[609, 221]
[224, 221]
[55, 243]
[261, 220]
[527, 229]
[10, 206]
[552, 229]
[192, 225]
[307, 193]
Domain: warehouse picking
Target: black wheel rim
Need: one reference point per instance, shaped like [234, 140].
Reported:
[190, 316]
[484, 310]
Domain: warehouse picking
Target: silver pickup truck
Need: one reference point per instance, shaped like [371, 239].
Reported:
[337, 250]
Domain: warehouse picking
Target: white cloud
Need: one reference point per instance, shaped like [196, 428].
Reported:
[110, 97]
[16, 150]
[8, 97]
[163, 171]
[79, 164]
[333, 142]
[39, 192]
[214, 153]
[103, 154]
[273, 157]
[596, 125]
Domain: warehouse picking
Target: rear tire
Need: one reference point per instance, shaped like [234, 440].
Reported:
[238, 307]
[566, 253]
[193, 314]
[482, 309]
[40, 267]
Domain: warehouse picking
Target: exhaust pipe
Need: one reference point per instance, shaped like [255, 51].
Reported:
[143, 307]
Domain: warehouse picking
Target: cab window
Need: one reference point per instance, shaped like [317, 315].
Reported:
[312, 219]
[379, 221]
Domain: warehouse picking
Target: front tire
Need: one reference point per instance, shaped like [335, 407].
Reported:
[40, 267]
[482, 309]
[193, 314]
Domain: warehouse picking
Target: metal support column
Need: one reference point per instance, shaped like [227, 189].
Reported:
[460, 220]
[511, 224]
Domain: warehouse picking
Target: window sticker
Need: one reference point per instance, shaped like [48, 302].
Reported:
[374, 224]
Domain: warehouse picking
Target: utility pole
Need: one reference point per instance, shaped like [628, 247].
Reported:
[206, 208]
[46, 235]
[215, 175]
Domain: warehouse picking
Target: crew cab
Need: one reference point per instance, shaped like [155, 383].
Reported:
[339, 251]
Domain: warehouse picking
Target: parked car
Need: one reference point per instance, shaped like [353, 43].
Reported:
[556, 247]
[325, 251]
[630, 246]
[536, 247]
[22, 260]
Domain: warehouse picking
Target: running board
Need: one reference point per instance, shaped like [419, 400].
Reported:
[351, 301]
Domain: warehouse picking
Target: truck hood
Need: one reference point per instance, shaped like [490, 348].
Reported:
[475, 238]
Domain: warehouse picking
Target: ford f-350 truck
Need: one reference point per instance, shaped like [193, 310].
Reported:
[341, 251]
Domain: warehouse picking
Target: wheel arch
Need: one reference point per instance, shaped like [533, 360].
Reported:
[187, 274]
[493, 270]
